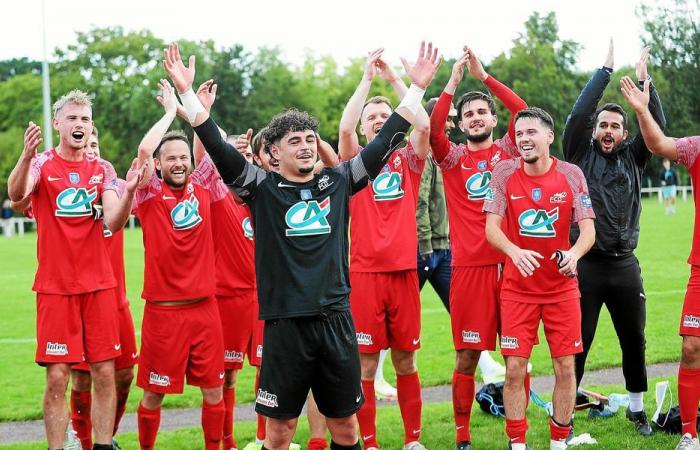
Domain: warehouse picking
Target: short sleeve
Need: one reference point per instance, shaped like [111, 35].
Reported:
[688, 149]
[147, 191]
[496, 200]
[109, 181]
[414, 163]
[37, 164]
[205, 174]
[454, 155]
[582, 205]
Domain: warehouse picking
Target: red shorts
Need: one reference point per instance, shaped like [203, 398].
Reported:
[239, 320]
[385, 307]
[562, 327]
[474, 306]
[690, 317]
[179, 341]
[127, 340]
[75, 328]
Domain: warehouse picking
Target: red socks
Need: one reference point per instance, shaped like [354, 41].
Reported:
[122, 397]
[149, 422]
[558, 432]
[260, 433]
[516, 429]
[213, 424]
[688, 398]
[462, 399]
[410, 404]
[229, 402]
[367, 415]
[80, 405]
[317, 444]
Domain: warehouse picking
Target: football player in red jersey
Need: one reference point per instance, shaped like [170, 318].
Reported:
[477, 266]
[385, 299]
[181, 333]
[80, 396]
[539, 197]
[76, 308]
[684, 151]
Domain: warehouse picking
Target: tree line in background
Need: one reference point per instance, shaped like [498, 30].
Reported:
[122, 71]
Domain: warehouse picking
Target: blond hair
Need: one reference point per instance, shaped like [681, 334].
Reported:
[75, 97]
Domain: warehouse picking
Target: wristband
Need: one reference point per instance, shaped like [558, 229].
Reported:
[412, 99]
[191, 104]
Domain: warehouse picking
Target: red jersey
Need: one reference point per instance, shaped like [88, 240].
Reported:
[70, 248]
[177, 237]
[538, 212]
[467, 176]
[688, 149]
[235, 249]
[115, 249]
[383, 219]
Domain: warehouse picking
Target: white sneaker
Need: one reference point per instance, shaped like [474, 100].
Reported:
[415, 445]
[71, 441]
[557, 445]
[384, 391]
[688, 443]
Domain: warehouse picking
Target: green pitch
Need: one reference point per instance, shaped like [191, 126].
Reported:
[663, 250]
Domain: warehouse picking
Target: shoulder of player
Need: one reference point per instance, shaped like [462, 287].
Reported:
[42, 158]
[506, 167]
[569, 169]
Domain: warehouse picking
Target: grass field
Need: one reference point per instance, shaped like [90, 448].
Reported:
[664, 246]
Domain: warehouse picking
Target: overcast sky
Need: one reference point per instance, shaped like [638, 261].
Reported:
[341, 28]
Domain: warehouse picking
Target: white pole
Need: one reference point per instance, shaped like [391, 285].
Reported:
[48, 132]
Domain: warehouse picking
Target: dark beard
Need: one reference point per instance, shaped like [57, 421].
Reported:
[306, 170]
[532, 160]
[478, 138]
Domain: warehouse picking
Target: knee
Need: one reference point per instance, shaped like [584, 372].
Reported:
[369, 363]
[102, 372]
[467, 360]
[404, 362]
[123, 379]
[57, 376]
[564, 368]
[691, 349]
[81, 381]
[152, 400]
[279, 432]
[212, 396]
[516, 368]
[343, 431]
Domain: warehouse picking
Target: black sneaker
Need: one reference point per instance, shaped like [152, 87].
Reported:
[639, 419]
[463, 445]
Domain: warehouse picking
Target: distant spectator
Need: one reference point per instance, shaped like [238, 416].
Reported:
[669, 180]
[7, 218]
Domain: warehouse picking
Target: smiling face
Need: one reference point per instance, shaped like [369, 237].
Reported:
[74, 125]
[174, 162]
[296, 152]
[476, 120]
[374, 116]
[92, 149]
[532, 139]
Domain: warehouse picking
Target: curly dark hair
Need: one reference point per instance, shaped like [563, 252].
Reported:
[287, 122]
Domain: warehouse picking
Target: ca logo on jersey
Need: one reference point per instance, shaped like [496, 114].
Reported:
[75, 202]
[307, 218]
[477, 185]
[185, 215]
[538, 222]
[387, 186]
[247, 228]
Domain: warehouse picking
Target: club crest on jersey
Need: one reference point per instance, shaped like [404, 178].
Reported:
[536, 194]
[247, 228]
[185, 215]
[481, 165]
[324, 182]
[397, 162]
[478, 184]
[95, 179]
[586, 201]
[387, 186]
[308, 218]
[74, 177]
[538, 222]
[75, 202]
[496, 158]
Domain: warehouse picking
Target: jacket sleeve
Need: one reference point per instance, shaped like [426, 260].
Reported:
[641, 153]
[580, 123]
[423, 210]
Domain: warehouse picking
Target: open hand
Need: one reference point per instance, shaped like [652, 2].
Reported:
[422, 72]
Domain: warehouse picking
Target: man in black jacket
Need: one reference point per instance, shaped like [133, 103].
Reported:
[596, 139]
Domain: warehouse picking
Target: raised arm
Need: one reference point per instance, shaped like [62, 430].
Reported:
[115, 207]
[392, 133]
[20, 182]
[580, 123]
[328, 157]
[348, 142]
[439, 143]
[651, 132]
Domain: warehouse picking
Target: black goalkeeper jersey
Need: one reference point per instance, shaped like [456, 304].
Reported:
[301, 229]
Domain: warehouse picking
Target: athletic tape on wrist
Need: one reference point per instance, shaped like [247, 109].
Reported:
[191, 104]
[412, 99]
